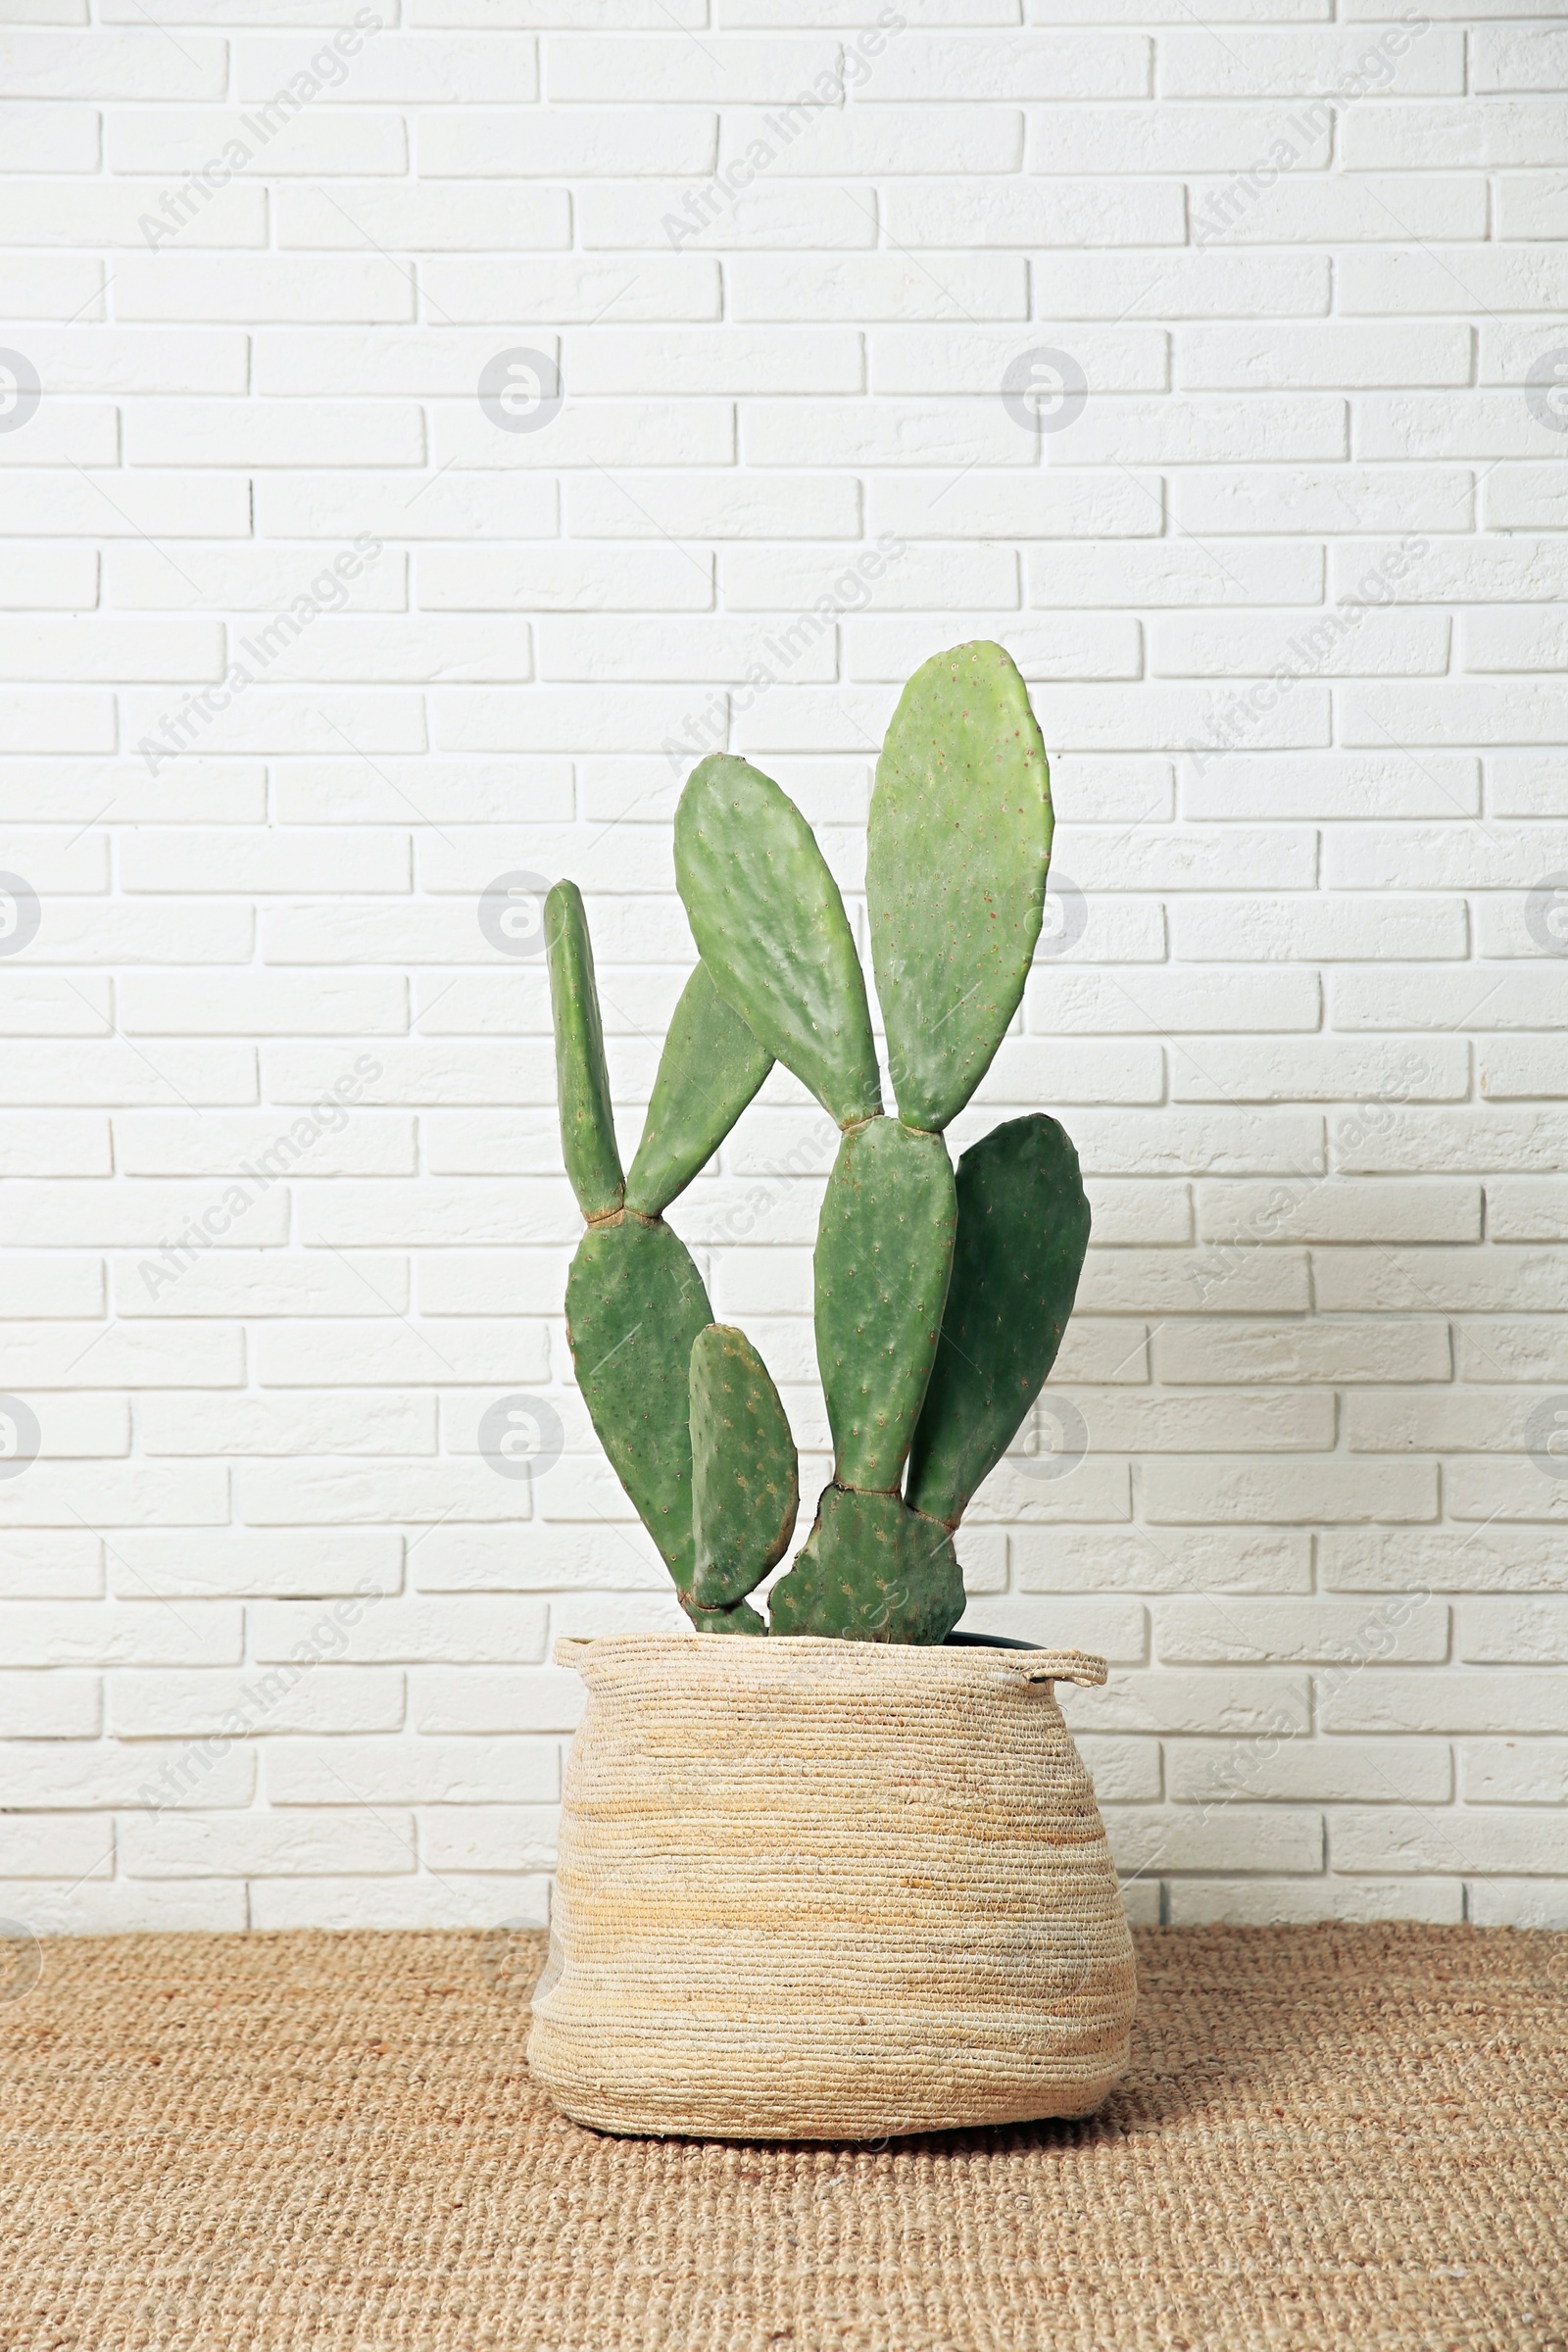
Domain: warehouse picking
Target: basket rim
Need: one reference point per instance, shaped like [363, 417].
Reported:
[965, 1665]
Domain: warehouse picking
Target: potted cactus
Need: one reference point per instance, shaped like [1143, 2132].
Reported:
[718, 1796]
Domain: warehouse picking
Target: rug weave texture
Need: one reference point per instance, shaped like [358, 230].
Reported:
[1328, 2137]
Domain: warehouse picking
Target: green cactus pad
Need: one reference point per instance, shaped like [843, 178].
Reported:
[740, 1619]
[884, 1246]
[745, 1473]
[1023, 1226]
[871, 1570]
[635, 1303]
[709, 1070]
[958, 848]
[770, 926]
[587, 1121]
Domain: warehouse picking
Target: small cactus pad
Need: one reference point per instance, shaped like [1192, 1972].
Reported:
[958, 848]
[587, 1121]
[635, 1303]
[1023, 1226]
[745, 1474]
[871, 1570]
[709, 1070]
[884, 1246]
[770, 926]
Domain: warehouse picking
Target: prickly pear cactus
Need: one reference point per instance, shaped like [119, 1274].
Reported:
[709, 1070]
[940, 1303]
[1023, 1226]
[745, 1488]
[872, 1570]
[957, 852]
[770, 926]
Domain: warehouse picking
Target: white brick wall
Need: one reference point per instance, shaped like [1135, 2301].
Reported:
[281, 1212]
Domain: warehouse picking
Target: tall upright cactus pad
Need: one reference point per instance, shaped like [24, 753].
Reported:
[884, 1246]
[635, 1303]
[957, 849]
[582, 1084]
[871, 1570]
[770, 926]
[709, 1070]
[746, 1487]
[1023, 1226]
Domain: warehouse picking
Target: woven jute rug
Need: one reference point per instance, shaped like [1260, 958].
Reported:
[1331, 2137]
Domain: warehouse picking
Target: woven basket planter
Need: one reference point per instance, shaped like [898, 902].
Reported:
[815, 1889]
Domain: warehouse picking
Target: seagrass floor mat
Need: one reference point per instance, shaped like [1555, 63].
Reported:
[1332, 2139]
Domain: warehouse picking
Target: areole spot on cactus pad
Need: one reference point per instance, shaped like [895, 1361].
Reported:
[956, 853]
[770, 926]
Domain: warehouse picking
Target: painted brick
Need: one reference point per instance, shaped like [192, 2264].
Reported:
[1235, 1631]
[49, 1706]
[268, 1846]
[1500, 1559]
[1487, 1841]
[1451, 1698]
[1317, 1350]
[412, 1902]
[412, 1772]
[1269, 1902]
[472, 1629]
[508, 1838]
[1514, 1771]
[1281, 1491]
[1210, 1701]
[105, 1775]
[1396, 1771]
[1229, 1836]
